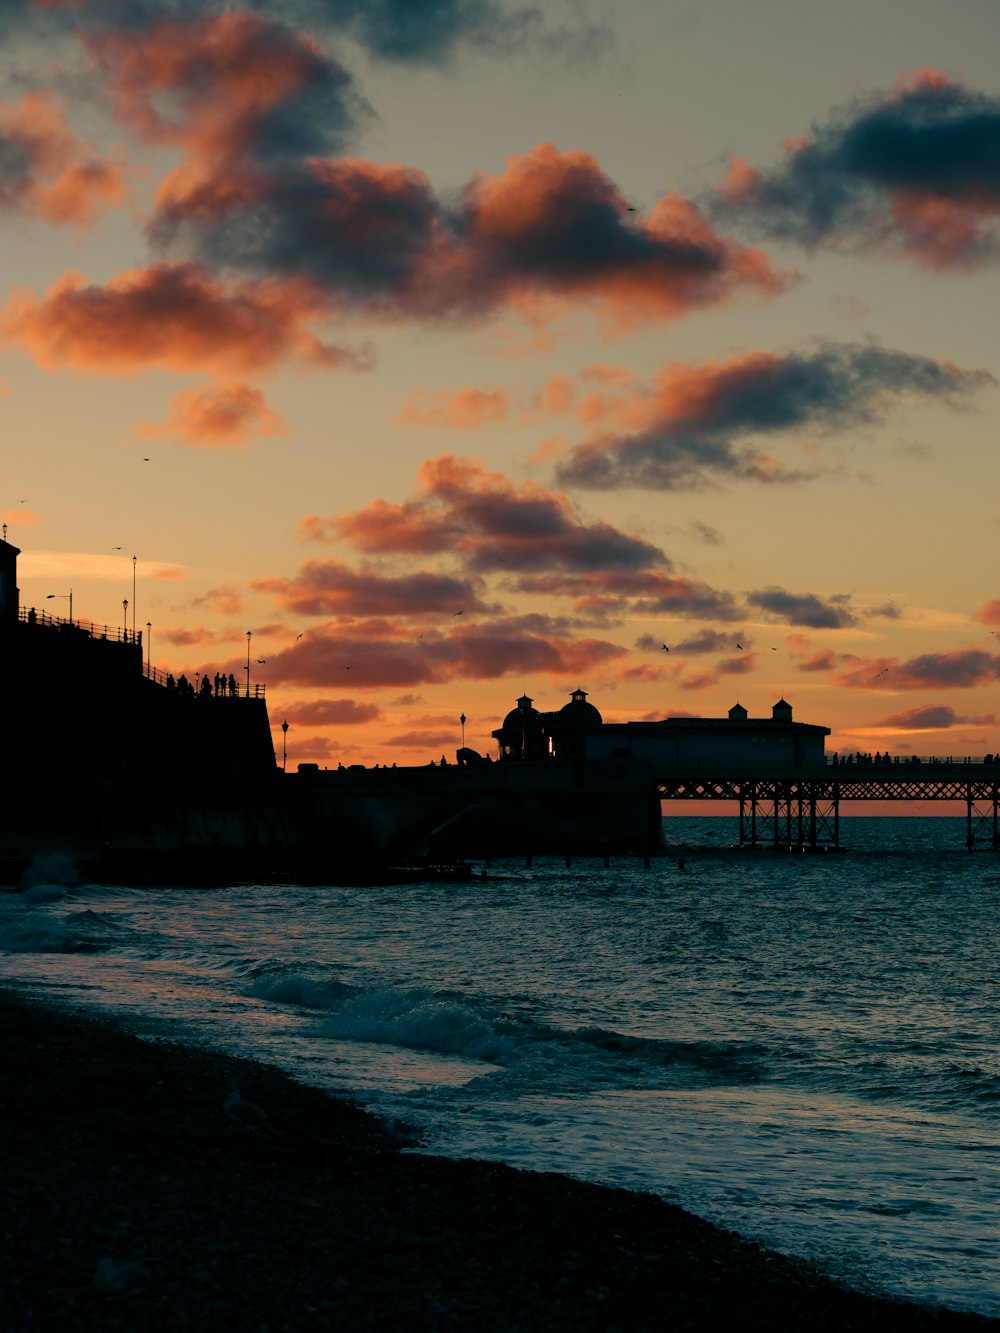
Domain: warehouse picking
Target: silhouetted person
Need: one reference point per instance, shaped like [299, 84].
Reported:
[232, 686]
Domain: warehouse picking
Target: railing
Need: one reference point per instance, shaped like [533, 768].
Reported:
[122, 634]
[865, 762]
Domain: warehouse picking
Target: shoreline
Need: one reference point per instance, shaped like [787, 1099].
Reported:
[134, 1198]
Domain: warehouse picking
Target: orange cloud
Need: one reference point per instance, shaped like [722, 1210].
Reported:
[989, 613]
[462, 409]
[489, 521]
[168, 317]
[561, 228]
[227, 415]
[47, 172]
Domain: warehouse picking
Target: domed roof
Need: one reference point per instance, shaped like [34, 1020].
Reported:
[579, 712]
[521, 717]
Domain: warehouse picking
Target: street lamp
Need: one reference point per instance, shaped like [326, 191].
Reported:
[284, 745]
[249, 637]
[50, 595]
[125, 617]
[149, 648]
[134, 559]
[462, 720]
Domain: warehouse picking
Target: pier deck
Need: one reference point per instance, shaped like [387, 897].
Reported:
[788, 808]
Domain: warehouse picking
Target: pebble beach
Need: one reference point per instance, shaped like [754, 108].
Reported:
[139, 1191]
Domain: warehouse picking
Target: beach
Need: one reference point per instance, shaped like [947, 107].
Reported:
[138, 1192]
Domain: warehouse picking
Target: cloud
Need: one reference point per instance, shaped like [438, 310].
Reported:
[914, 172]
[332, 713]
[224, 600]
[934, 717]
[174, 317]
[185, 636]
[612, 594]
[398, 31]
[804, 608]
[225, 415]
[325, 588]
[20, 516]
[375, 657]
[961, 669]
[46, 172]
[80, 565]
[698, 416]
[704, 641]
[989, 613]
[488, 522]
[462, 409]
[549, 234]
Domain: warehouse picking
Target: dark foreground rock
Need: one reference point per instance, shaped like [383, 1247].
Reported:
[130, 1198]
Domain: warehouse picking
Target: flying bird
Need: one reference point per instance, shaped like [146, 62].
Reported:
[299, 636]
[880, 673]
[664, 647]
[455, 613]
[740, 646]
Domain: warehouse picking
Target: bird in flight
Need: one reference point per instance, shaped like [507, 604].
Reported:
[664, 647]
[455, 613]
[299, 636]
[740, 646]
[880, 673]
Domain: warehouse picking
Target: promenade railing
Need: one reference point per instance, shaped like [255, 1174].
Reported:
[122, 634]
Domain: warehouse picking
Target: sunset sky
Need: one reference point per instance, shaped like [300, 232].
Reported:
[465, 350]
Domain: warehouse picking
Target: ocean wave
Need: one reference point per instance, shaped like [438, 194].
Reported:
[421, 1020]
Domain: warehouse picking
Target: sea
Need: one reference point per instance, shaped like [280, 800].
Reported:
[802, 1048]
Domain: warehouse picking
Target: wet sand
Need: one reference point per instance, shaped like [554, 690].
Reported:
[132, 1198]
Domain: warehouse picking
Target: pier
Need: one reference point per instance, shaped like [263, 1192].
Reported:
[790, 809]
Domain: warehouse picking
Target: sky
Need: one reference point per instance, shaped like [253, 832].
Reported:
[464, 350]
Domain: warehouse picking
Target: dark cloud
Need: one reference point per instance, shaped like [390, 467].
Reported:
[550, 230]
[958, 670]
[333, 712]
[489, 522]
[644, 592]
[804, 608]
[418, 32]
[916, 171]
[497, 647]
[933, 718]
[701, 414]
[325, 588]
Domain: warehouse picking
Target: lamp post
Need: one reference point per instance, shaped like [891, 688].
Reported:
[284, 745]
[49, 596]
[134, 559]
[125, 617]
[462, 720]
[149, 648]
[249, 637]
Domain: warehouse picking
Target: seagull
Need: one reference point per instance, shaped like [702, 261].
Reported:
[740, 646]
[664, 647]
[880, 673]
[262, 661]
[117, 548]
[455, 613]
[299, 636]
[243, 1113]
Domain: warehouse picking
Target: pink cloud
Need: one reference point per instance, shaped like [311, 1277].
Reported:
[49, 173]
[224, 415]
[462, 409]
[174, 317]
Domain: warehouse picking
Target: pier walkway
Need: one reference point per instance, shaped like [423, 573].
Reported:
[802, 808]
